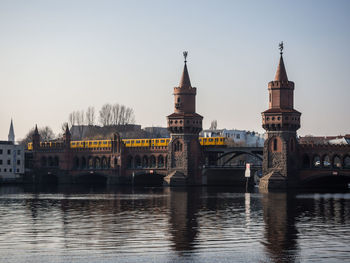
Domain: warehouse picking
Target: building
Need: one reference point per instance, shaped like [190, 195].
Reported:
[11, 158]
[157, 132]
[238, 137]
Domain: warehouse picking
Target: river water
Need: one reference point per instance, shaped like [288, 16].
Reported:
[90, 224]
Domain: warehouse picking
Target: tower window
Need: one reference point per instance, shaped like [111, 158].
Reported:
[178, 100]
[270, 97]
[275, 144]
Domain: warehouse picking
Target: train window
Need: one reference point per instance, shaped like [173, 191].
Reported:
[90, 143]
[157, 141]
[205, 140]
[104, 142]
[73, 143]
[221, 139]
[95, 143]
[210, 140]
[162, 141]
[216, 139]
[137, 141]
[148, 141]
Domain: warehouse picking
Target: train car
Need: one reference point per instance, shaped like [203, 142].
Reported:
[157, 142]
[212, 141]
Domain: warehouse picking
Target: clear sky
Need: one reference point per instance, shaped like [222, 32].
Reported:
[61, 56]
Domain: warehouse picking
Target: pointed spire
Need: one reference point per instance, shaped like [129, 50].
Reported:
[11, 136]
[281, 73]
[67, 129]
[36, 129]
[185, 78]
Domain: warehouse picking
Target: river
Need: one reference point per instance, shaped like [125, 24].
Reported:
[122, 224]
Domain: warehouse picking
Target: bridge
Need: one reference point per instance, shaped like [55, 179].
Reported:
[285, 162]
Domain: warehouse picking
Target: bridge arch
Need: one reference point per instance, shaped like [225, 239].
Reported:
[235, 154]
[91, 178]
[328, 180]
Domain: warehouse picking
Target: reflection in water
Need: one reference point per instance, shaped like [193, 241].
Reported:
[171, 225]
[182, 220]
[280, 230]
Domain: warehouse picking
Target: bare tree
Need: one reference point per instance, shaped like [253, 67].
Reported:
[46, 134]
[90, 116]
[80, 118]
[106, 114]
[72, 119]
[115, 114]
[129, 116]
[213, 125]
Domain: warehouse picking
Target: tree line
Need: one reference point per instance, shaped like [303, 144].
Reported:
[108, 115]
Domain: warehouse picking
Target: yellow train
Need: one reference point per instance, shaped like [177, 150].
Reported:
[204, 141]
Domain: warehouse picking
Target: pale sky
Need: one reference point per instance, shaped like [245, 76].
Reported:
[60, 56]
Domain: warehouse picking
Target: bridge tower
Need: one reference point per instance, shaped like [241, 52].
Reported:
[281, 121]
[184, 125]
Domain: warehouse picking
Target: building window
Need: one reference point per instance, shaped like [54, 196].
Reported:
[0, 151]
[8, 162]
[275, 144]
[8, 151]
[0, 161]
[17, 170]
[18, 152]
[10, 170]
[238, 136]
[18, 162]
[5, 170]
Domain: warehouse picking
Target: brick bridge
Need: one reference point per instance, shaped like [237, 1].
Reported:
[285, 161]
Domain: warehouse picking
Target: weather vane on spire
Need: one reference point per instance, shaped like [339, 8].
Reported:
[281, 47]
[185, 55]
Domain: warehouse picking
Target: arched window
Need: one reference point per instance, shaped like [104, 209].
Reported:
[76, 162]
[316, 161]
[56, 161]
[129, 162]
[336, 162]
[90, 163]
[178, 100]
[326, 162]
[346, 163]
[275, 142]
[137, 161]
[153, 161]
[97, 163]
[306, 161]
[43, 161]
[50, 161]
[104, 163]
[160, 161]
[177, 146]
[83, 163]
[145, 161]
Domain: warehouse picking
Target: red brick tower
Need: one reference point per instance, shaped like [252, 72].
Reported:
[184, 151]
[281, 121]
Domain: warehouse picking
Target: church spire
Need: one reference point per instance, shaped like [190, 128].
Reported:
[281, 73]
[185, 78]
[11, 136]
